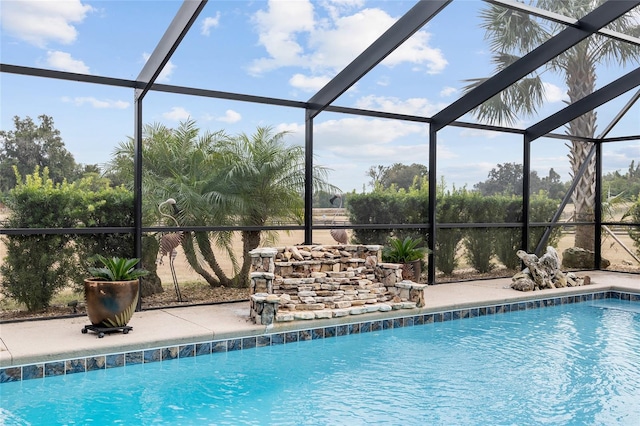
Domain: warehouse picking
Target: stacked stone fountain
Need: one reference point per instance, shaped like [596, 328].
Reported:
[317, 281]
[544, 272]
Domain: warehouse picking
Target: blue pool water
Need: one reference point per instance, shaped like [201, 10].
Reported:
[569, 364]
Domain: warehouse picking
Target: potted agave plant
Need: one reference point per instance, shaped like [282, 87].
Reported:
[408, 253]
[111, 294]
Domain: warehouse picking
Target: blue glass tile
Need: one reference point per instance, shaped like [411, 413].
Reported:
[264, 340]
[203, 348]
[34, 371]
[446, 316]
[354, 328]
[75, 366]
[428, 319]
[96, 363]
[234, 345]
[376, 325]
[397, 323]
[54, 368]
[342, 330]
[329, 332]
[171, 352]
[277, 339]
[387, 324]
[365, 327]
[291, 337]
[418, 319]
[187, 351]
[133, 357]
[304, 335]
[152, 355]
[114, 360]
[318, 333]
[10, 374]
[220, 346]
[249, 342]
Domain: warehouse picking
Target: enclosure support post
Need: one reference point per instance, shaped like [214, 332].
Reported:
[597, 235]
[526, 190]
[431, 240]
[308, 177]
[137, 187]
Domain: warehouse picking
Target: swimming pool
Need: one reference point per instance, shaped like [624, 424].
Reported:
[567, 364]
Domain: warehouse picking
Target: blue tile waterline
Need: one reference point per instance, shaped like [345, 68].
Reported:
[101, 362]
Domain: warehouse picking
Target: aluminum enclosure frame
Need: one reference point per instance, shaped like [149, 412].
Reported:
[407, 25]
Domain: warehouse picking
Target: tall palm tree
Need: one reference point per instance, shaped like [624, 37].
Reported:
[512, 34]
[267, 177]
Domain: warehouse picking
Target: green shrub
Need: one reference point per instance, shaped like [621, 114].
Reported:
[451, 208]
[479, 242]
[36, 266]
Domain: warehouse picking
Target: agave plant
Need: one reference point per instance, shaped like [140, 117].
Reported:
[404, 251]
[117, 269]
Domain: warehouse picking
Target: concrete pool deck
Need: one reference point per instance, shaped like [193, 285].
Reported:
[41, 341]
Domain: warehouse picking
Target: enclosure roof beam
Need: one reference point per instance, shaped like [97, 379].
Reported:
[404, 28]
[561, 19]
[178, 28]
[564, 40]
[586, 104]
[619, 116]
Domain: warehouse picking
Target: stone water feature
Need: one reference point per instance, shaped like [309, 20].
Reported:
[544, 272]
[318, 281]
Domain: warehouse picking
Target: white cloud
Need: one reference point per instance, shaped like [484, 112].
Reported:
[308, 84]
[166, 72]
[416, 50]
[97, 103]
[553, 93]
[230, 116]
[293, 37]
[277, 28]
[448, 91]
[411, 106]
[210, 22]
[177, 114]
[64, 62]
[43, 22]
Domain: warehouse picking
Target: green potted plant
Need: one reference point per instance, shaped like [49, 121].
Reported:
[111, 293]
[408, 253]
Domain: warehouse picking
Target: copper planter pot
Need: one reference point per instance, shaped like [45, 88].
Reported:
[110, 303]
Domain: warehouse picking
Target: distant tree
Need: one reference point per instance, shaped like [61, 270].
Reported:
[555, 188]
[506, 179]
[29, 146]
[401, 175]
[628, 184]
[375, 173]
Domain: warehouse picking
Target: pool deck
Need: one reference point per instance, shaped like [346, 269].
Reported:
[30, 342]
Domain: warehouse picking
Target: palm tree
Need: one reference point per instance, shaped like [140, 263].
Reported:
[181, 164]
[220, 180]
[512, 34]
[267, 179]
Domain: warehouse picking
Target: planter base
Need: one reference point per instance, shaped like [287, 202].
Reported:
[106, 330]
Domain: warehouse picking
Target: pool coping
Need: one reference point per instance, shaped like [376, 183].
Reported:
[464, 303]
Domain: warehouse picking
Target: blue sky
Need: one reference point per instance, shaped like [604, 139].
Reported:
[282, 49]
